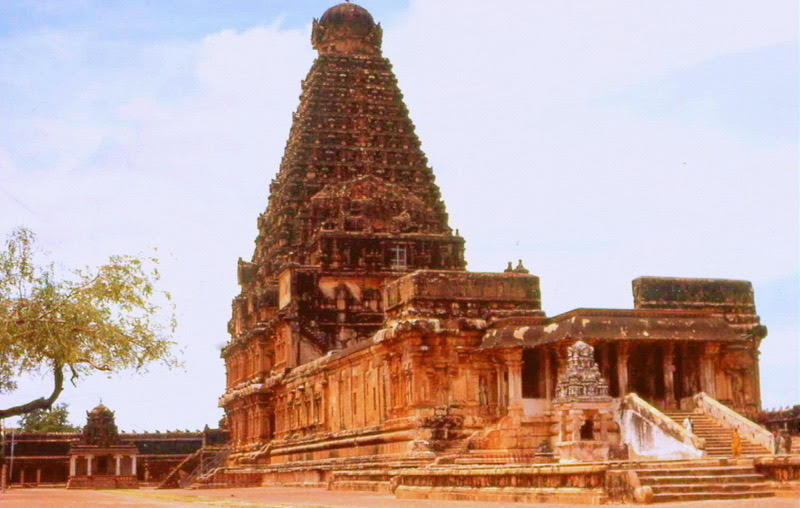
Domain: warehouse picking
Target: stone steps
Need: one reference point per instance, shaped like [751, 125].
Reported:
[702, 496]
[499, 457]
[717, 437]
[363, 485]
[689, 470]
[372, 479]
[706, 480]
[710, 487]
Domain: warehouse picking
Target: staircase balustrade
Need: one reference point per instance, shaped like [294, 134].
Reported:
[729, 418]
[664, 422]
[206, 466]
[172, 480]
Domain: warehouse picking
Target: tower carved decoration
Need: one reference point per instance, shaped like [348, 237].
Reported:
[353, 206]
[581, 381]
[351, 123]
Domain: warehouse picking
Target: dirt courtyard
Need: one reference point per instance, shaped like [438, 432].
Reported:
[286, 498]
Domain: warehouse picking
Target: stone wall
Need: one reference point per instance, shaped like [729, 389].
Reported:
[439, 293]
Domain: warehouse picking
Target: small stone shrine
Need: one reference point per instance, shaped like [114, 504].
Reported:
[582, 407]
[100, 460]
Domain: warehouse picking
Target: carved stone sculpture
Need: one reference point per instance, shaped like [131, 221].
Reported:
[581, 380]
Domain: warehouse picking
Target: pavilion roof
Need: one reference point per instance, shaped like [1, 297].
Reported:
[612, 325]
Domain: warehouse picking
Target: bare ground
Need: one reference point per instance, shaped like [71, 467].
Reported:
[289, 498]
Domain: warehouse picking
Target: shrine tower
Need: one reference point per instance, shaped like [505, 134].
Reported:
[353, 183]
[354, 203]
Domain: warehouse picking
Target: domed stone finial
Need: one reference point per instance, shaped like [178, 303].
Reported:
[520, 268]
[346, 29]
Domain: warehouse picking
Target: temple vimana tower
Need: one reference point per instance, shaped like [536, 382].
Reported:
[359, 338]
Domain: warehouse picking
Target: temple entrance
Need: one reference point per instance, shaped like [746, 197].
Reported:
[687, 369]
[533, 374]
[646, 372]
[103, 465]
[537, 380]
[587, 430]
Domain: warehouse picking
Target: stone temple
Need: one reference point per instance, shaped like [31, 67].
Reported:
[364, 355]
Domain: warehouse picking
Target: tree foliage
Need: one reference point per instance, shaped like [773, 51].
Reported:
[55, 419]
[107, 318]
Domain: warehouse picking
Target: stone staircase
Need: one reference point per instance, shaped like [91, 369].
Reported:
[717, 437]
[374, 477]
[202, 461]
[705, 480]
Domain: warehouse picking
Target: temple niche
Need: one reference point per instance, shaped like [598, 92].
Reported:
[358, 331]
[100, 460]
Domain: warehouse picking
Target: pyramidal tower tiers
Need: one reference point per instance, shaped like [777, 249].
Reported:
[353, 183]
[359, 336]
[354, 202]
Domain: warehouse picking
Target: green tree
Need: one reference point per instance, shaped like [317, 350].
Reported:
[107, 318]
[55, 419]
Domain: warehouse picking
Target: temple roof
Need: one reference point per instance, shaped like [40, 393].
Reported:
[100, 408]
[347, 29]
[611, 324]
[354, 17]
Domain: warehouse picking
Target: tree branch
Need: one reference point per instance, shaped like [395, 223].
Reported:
[41, 403]
[94, 365]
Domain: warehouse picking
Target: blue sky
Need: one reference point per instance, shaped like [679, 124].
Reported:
[596, 141]
[153, 20]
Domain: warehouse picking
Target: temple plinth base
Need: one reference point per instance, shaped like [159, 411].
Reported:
[582, 451]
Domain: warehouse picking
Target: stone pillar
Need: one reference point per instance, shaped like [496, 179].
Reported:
[575, 421]
[133, 465]
[514, 383]
[513, 361]
[605, 419]
[72, 465]
[605, 363]
[38, 475]
[669, 375]
[500, 397]
[623, 352]
[708, 382]
[89, 465]
[117, 458]
[21, 475]
[755, 377]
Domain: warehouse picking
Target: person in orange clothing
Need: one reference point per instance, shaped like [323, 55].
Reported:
[736, 443]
